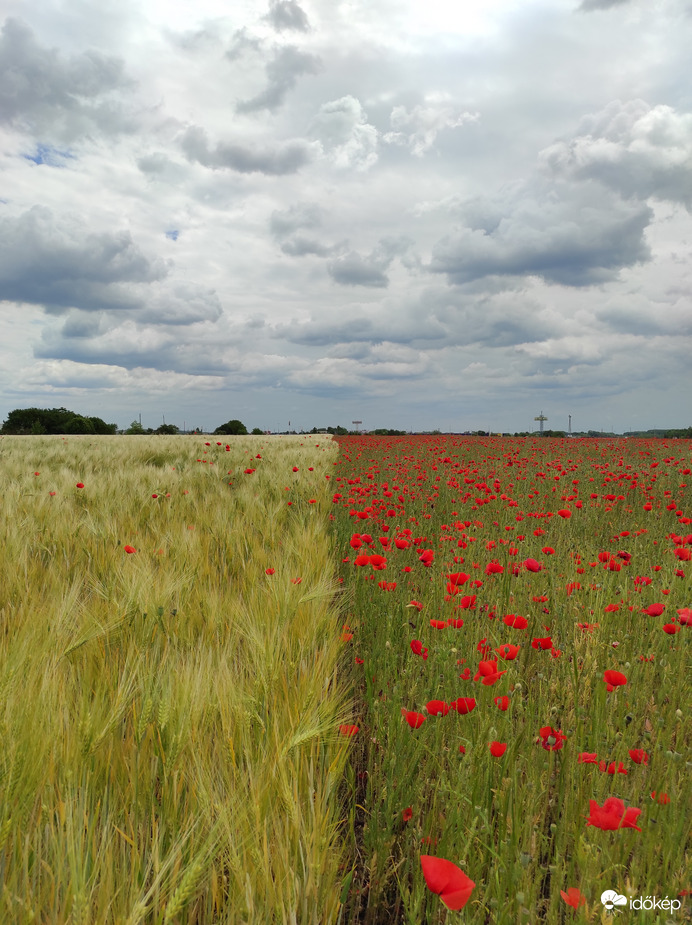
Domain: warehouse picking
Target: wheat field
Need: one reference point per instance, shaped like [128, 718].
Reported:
[169, 716]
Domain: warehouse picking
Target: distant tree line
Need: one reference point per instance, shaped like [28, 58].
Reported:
[54, 421]
[63, 421]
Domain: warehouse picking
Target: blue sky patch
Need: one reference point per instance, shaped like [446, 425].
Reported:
[49, 155]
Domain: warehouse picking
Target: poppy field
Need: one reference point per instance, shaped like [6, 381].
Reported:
[518, 627]
[372, 680]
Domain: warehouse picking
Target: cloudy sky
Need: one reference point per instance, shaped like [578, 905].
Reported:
[319, 211]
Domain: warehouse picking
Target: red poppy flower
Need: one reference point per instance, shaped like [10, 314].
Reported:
[502, 703]
[685, 616]
[457, 578]
[494, 568]
[361, 560]
[671, 628]
[269, 571]
[548, 551]
[129, 549]
[508, 652]
[456, 623]
[407, 814]
[487, 672]
[467, 602]
[417, 604]
[463, 705]
[347, 730]
[447, 880]
[614, 768]
[437, 707]
[497, 749]
[552, 739]
[519, 623]
[531, 565]
[587, 758]
[415, 720]
[654, 610]
[565, 513]
[544, 642]
[639, 756]
[614, 679]
[612, 608]
[418, 648]
[612, 815]
[662, 798]
[573, 897]
[438, 624]
[80, 484]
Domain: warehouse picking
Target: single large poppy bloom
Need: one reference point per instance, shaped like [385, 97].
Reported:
[551, 739]
[463, 705]
[437, 707]
[418, 648]
[447, 880]
[487, 672]
[515, 621]
[573, 897]
[614, 679]
[612, 815]
[508, 652]
[415, 720]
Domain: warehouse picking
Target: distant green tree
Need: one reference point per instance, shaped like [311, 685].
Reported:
[167, 429]
[257, 431]
[54, 421]
[78, 425]
[135, 428]
[232, 428]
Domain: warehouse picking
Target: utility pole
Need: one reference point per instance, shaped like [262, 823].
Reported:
[541, 417]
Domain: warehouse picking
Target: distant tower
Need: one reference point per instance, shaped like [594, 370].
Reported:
[356, 425]
[541, 417]
[569, 429]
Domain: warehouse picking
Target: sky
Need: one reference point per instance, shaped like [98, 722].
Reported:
[414, 215]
